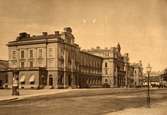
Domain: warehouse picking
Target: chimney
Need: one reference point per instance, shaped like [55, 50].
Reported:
[106, 48]
[44, 33]
[68, 30]
[57, 33]
[23, 34]
[98, 47]
[28, 35]
[140, 62]
[126, 54]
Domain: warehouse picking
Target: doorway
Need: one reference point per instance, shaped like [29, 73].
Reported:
[50, 80]
[69, 80]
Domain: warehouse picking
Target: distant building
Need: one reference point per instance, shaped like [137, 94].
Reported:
[113, 72]
[138, 74]
[155, 79]
[130, 76]
[163, 75]
[3, 73]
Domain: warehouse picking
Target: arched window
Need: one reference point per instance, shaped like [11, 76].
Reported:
[32, 79]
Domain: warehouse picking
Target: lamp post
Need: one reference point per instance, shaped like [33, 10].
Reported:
[15, 85]
[148, 68]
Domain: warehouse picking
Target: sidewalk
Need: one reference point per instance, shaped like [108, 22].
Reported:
[5, 94]
[156, 109]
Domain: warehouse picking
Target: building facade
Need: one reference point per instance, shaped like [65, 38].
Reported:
[56, 61]
[3, 73]
[155, 79]
[163, 80]
[113, 71]
[138, 74]
[53, 61]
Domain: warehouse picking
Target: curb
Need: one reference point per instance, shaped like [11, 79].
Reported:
[9, 100]
[29, 96]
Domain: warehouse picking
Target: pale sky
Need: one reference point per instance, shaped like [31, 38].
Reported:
[140, 26]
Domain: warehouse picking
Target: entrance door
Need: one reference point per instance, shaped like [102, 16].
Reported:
[50, 81]
[0, 83]
[69, 80]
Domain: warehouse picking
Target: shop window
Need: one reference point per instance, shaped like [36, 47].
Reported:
[32, 82]
[22, 83]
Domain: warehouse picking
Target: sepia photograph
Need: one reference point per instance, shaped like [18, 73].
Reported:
[83, 57]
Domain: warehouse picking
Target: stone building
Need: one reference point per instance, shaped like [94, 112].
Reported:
[127, 70]
[3, 73]
[138, 74]
[117, 71]
[53, 61]
[113, 72]
[56, 61]
[90, 70]
[134, 75]
[130, 78]
[163, 80]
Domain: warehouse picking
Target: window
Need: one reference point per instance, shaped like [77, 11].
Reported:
[22, 54]
[22, 83]
[50, 52]
[106, 71]
[22, 64]
[40, 63]
[69, 60]
[22, 79]
[40, 53]
[61, 52]
[62, 62]
[31, 53]
[31, 63]
[32, 79]
[32, 82]
[105, 64]
[14, 55]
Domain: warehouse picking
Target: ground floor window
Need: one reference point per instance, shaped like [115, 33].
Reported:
[22, 79]
[32, 83]
[32, 79]
[22, 83]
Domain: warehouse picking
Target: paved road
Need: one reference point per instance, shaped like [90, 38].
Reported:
[83, 102]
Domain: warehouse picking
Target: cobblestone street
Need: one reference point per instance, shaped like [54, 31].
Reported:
[84, 102]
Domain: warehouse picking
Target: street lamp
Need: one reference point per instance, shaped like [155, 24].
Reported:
[15, 85]
[148, 69]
